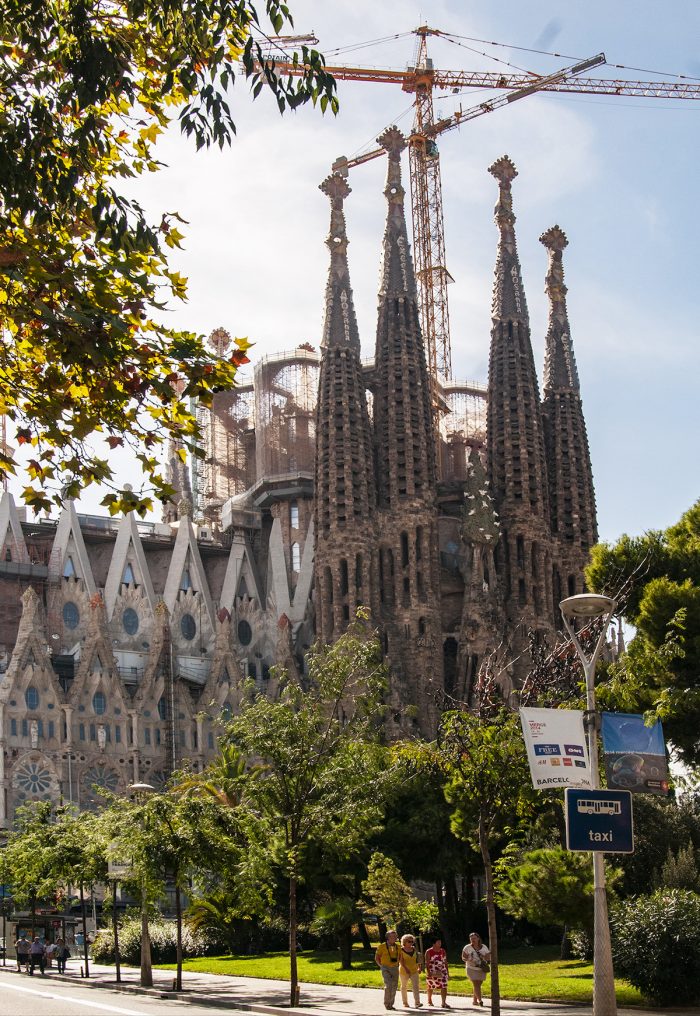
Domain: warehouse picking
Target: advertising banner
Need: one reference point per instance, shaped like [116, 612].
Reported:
[556, 748]
[635, 755]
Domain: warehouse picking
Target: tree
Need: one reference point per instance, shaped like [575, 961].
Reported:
[660, 671]
[86, 88]
[548, 886]
[488, 785]
[387, 891]
[319, 783]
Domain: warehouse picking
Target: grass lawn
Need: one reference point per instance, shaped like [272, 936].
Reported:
[527, 974]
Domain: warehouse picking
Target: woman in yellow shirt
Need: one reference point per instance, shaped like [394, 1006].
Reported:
[410, 966]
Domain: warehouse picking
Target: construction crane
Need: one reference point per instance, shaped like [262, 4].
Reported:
[426, 185]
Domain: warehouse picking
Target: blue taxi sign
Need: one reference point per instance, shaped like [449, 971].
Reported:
[599, 820]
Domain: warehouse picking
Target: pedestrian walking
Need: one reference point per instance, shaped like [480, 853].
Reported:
[387, 959]
[62, 954]
[438, 972]
[22, 953]
[37, 956]
[476, 957]
[410, 966]
[50, 954]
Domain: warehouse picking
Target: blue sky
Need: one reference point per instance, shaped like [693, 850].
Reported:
[619, 175]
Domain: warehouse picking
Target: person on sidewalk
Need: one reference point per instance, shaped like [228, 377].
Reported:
[22, 953]
[387, 959]
[476, 957]
[438, 972]
[62, 954]
[409, 970]
[37, 956]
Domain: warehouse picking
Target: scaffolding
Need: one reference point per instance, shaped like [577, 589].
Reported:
[462, 426]
[286, 389]
[228, 466]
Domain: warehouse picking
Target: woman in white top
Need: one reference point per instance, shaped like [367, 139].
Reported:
[475, 955]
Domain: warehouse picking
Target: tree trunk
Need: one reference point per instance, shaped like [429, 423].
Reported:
[566, 952]
[146, 969]
[293, 975]
[33, 915]
[491, 912]
[85, 941]
[346, 949]
[439, 899]
[364, 936]
[115, 930]
[178, 924]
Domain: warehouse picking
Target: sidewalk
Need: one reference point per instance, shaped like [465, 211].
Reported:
[271, 997]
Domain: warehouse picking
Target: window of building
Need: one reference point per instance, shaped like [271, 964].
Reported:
[183, 739]
[118, 734]
[294, 514]
[81, 732]
[210, 740]
[31, 697]
[186, 582]
[188, 627]
[13, 728]
[93, 732]
[130, 621]
[245, 633]
[99, 703]
[25, 728]
[147, 735]
[69, 568]
[163, 708]
[296, 557]
[157, 735]
[71, 615]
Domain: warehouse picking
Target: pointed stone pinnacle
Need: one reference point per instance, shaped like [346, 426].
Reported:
[554, 239]
[336, 187]
[393, 141]
[504, 170]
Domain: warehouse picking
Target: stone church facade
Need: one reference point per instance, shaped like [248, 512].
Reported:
[458, 513]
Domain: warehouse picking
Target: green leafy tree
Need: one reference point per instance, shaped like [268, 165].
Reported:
[319, 784]
[387, 892]
[680, 870]
[548, 887]
[335, 919]
[488, 785]
[86, 89]
[660, 671]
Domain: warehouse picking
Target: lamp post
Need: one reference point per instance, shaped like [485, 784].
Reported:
[140, 791]
[586, 607]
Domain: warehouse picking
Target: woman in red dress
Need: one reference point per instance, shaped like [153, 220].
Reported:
[438, 972]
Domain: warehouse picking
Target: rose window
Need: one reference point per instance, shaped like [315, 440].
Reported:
[33, 778]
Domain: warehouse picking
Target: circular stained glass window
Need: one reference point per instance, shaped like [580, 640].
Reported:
[33, 778]
[245, 633]
[188, 627]
[71, 614]
[96, 778]
[31, 697]
[99, 703]
[130, 621]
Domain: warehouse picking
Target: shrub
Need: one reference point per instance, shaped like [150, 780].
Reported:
[163, 942]
[656, 944]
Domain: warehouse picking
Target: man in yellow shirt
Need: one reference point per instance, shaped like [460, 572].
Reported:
[387, 959]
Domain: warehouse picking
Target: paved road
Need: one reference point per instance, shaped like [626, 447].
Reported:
[208, 994]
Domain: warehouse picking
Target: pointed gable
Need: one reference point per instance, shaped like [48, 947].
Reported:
[69, 557]
[128, 565]
[186, 571]
[12, 543]
[30, 658]
[241, 577]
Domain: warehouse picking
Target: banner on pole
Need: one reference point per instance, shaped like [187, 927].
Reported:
[635, 755]
[556, 748]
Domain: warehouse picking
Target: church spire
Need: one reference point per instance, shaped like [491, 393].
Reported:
[572, 498]
[559, 363]
[402, 405]
[345, 495]
[515, 441]
[340, 323]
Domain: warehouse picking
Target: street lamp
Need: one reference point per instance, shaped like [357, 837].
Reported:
[585, 607]
[140, 791]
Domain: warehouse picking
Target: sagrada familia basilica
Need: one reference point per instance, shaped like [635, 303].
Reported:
[328, 482]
